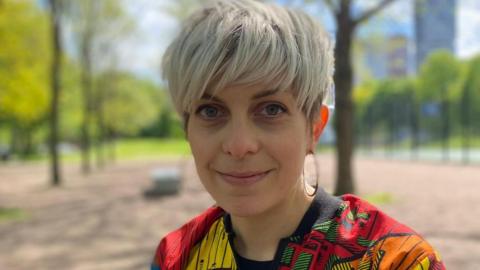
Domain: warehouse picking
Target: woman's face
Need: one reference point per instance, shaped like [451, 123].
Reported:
[249, 145]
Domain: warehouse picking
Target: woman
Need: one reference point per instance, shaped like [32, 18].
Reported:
[250, 80]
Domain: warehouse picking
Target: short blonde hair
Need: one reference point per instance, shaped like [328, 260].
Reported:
[245, 42]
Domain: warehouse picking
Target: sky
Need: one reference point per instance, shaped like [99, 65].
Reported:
[156, 29]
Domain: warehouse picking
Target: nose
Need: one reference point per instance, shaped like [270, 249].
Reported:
[240, 140]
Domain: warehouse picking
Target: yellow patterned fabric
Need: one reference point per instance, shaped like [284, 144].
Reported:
[213, 252]
[334, 234]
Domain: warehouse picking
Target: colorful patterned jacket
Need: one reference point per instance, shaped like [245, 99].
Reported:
[335, 233]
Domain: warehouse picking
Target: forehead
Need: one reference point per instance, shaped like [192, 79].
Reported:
[255, 94]
[246, 92]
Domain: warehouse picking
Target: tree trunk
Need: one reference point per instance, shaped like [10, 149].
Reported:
[86, 90]
[466, 125]
[414, 129]
[101, 130]
[13, 139]
[86, 62]
[55, 88]
[27, 142]
[343, 78]
[112, 146]
[446, 129]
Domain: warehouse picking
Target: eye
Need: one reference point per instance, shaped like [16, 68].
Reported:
[272, 110]
[209, 112]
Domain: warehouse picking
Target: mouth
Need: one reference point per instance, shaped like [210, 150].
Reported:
[243, 178]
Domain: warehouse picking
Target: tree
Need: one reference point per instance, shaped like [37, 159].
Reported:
[180, 9]
[387, 107]
[469, 96]
[93, 24]
[24, 95]
[55, 74]
[347, 22]
[436, 81]
[131, 104]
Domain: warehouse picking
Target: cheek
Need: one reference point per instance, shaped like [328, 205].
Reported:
[200, 144]
[289, 149]
[198, 153]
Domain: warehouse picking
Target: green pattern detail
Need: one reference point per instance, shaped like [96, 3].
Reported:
[323, 227]
[332, 233]
[329, 228]
[364, 242]
[295, 239]
[378, 258]
[342, 266]
[342, 207]
[331, 261]
[303, 262]
[366, 261]
[364, 265]
[287, 256]
[353, 215]
[371, 261]
[365, 216]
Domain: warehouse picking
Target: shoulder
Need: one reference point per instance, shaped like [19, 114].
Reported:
[364, 216]
[361, 236]
[387, 242]
[175, 246]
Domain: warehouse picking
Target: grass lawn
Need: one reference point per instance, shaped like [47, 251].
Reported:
[130, 149]
[379, 198]
[138, 148]
[7, 214]
[134, 149]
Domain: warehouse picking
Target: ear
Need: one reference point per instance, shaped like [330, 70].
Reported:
[320, 123]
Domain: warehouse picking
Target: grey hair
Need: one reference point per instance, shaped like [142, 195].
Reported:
[245, 42]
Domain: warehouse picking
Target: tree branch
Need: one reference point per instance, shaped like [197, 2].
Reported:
[369, 13]
[331, 6]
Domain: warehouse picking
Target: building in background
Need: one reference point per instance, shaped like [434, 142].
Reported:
[434, 27]
[382, 57]
[397, 56]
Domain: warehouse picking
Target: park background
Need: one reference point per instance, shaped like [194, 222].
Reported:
[85, 121]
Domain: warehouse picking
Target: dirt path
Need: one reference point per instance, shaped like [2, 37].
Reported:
[104, 222]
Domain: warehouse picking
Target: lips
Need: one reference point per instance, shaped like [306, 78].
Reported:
[243, 178]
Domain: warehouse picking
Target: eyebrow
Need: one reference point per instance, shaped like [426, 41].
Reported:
[256, 96]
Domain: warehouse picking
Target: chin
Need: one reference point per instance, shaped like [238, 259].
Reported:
[244, 209]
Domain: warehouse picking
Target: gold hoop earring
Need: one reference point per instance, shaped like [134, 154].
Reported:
[315, 187]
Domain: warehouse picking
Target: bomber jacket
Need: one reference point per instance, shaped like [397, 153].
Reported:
[335, 233]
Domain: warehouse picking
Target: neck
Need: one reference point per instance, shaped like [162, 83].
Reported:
[257, 239]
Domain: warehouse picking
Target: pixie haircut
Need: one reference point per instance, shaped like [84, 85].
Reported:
[245, 42]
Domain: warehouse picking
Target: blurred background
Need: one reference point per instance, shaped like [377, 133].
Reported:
[94, 167]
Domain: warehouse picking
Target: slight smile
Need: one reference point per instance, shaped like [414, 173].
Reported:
[243, 178]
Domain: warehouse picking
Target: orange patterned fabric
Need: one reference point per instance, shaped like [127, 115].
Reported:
[336, 233]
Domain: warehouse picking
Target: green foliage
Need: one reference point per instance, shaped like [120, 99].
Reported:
[70, 101]
[167, 125]
[470, 90]
[438, 75]
[395, 107]
[24, 63]
[182, 8]
[130, 104]
[380, 104]
[97, 28]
